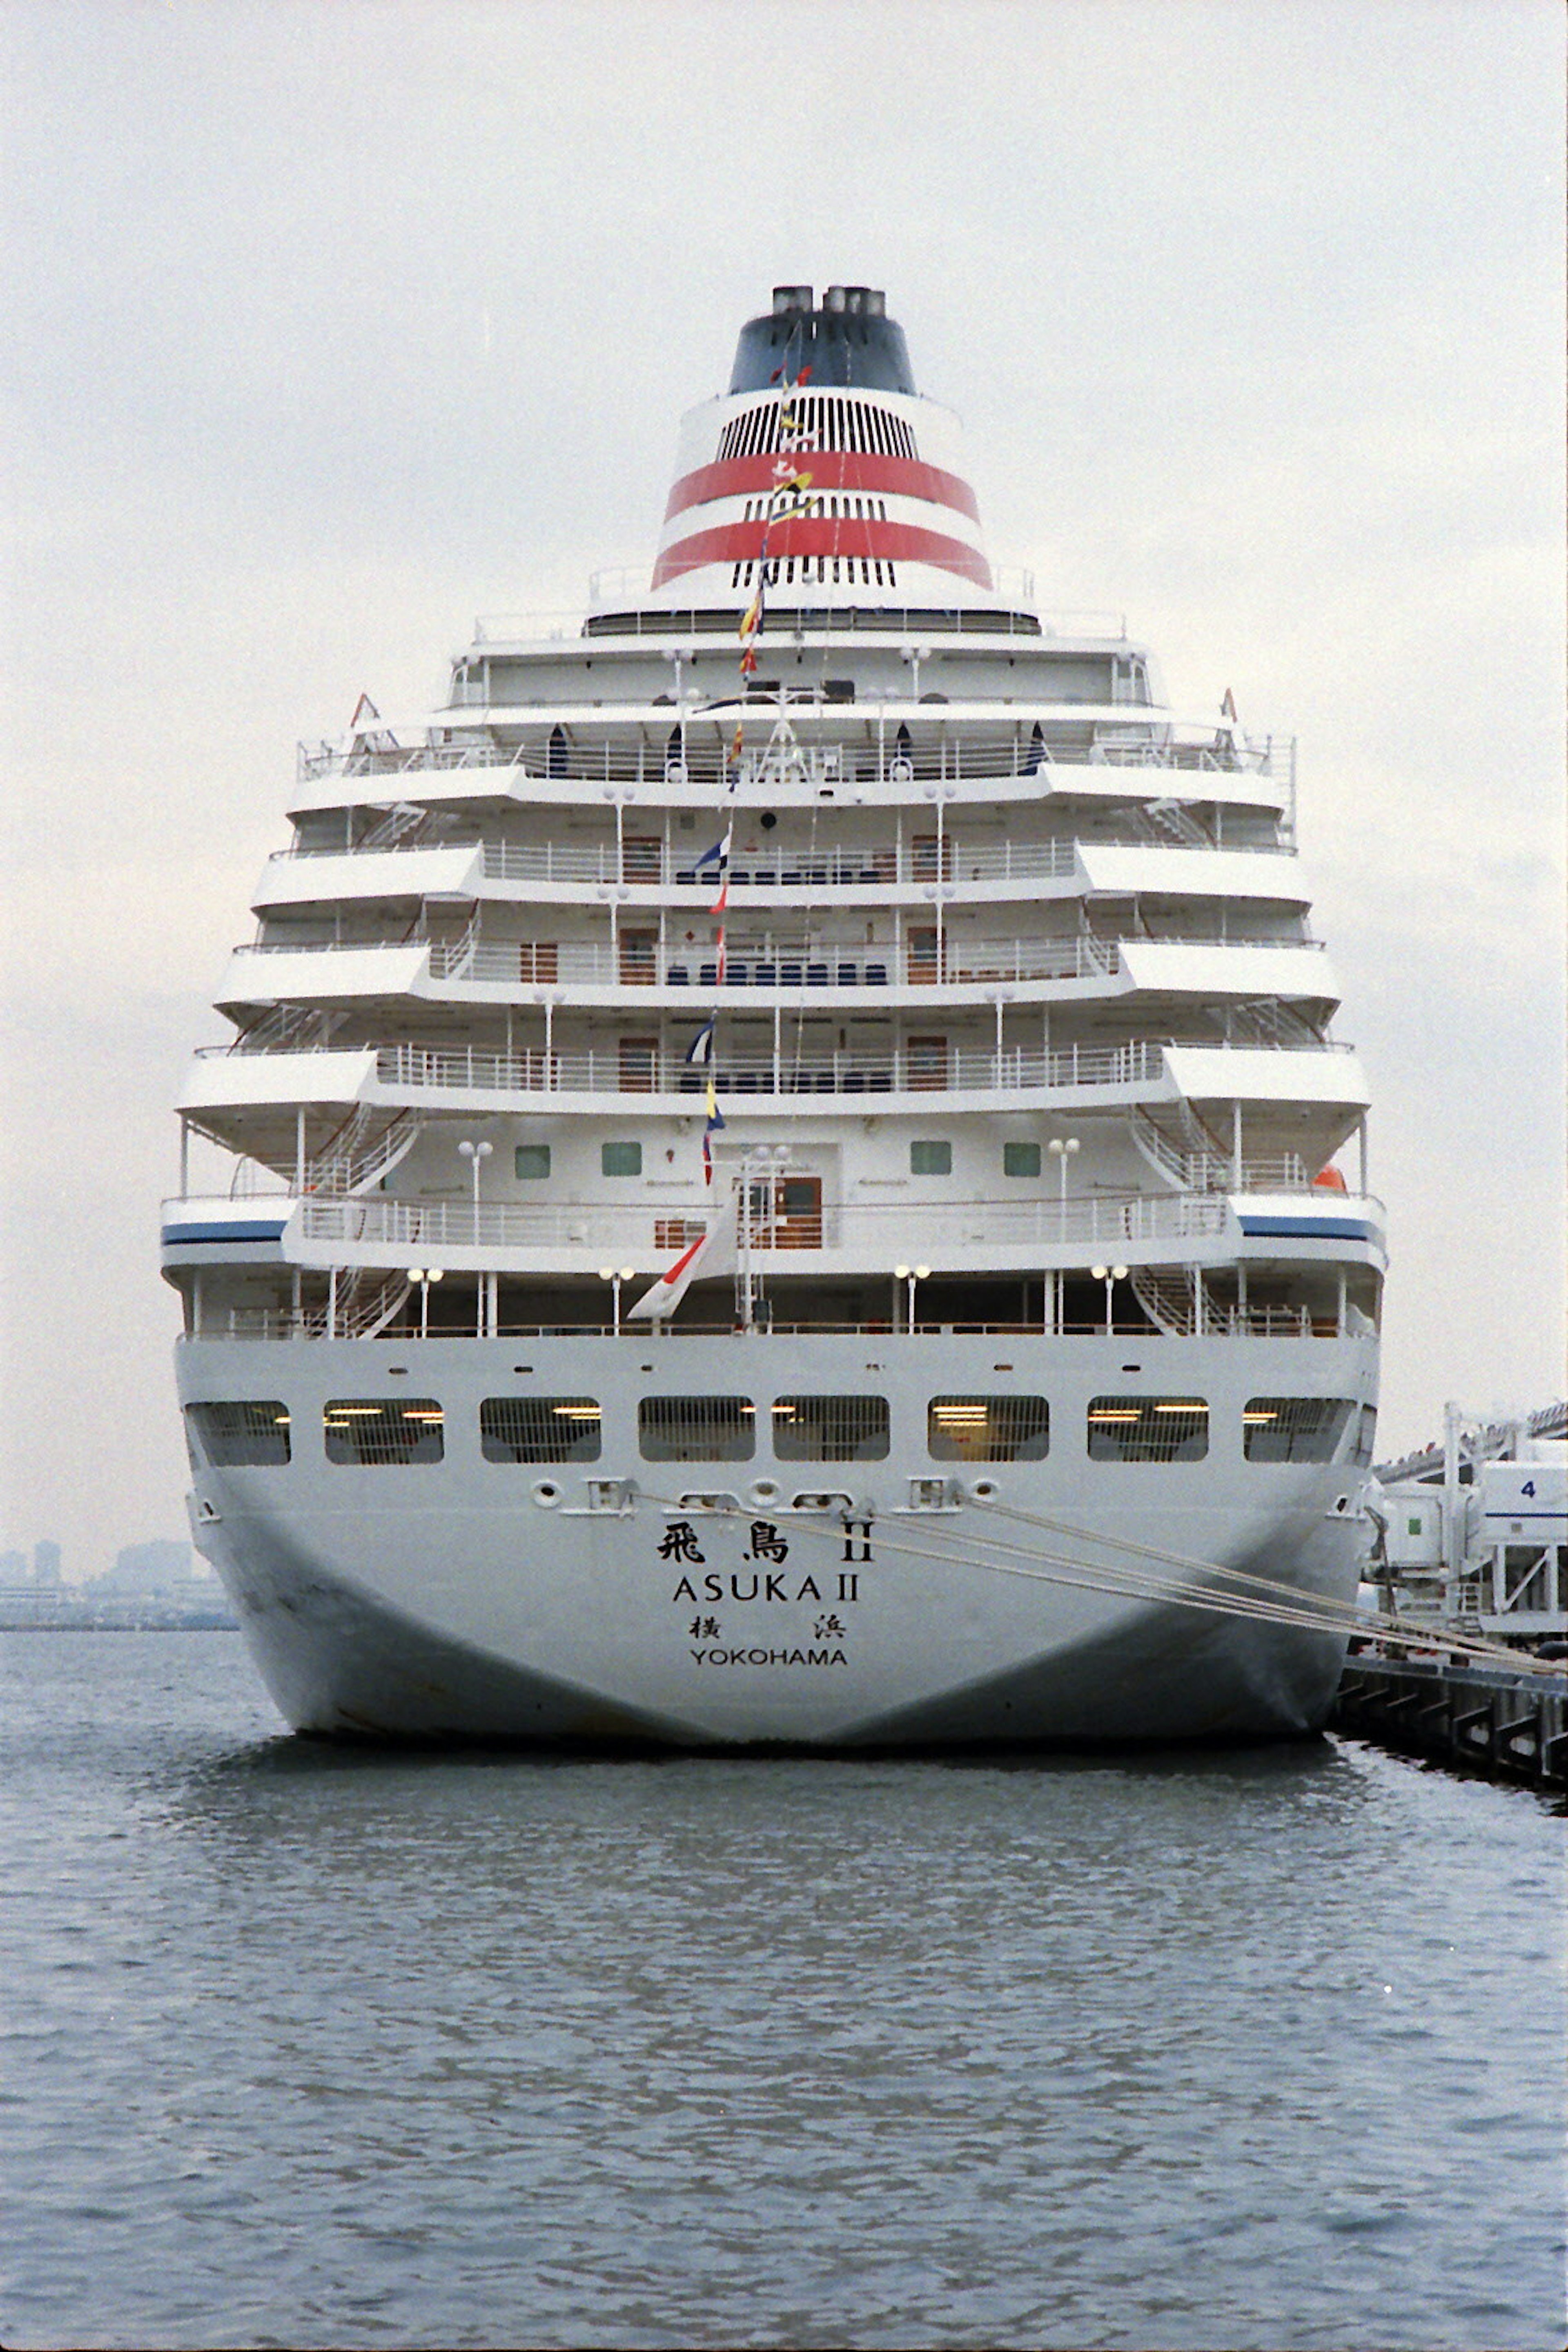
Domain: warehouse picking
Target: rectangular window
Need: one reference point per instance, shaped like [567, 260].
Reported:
[1295, 1429]
[1148, 1429]
[697, 1429]
[249, 1436]
[831, 1429]
[540, 1429]
[988, 1429]
[531, 1160]
[377, 1433]
[620, 1159]
[931, 1159]
[1020, 1159]
[1366, 1432]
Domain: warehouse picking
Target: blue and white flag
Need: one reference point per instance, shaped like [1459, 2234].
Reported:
[716, 856]
[701, 1050]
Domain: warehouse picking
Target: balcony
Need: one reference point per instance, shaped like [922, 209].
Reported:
[895, 745]
[648, 1070]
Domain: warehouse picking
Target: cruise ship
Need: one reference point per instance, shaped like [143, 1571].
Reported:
[785, 1174]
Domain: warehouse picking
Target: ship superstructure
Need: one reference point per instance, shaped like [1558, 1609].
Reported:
[783, 1153]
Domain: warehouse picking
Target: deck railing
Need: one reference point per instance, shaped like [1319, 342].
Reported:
[913, 1069]
[941, 754]
[872, 1229]
[653, 864]
[771, 960]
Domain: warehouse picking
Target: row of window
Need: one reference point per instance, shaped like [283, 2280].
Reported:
[369, 1432]
[928, 1156]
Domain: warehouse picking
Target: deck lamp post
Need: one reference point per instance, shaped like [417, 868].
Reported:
[614, 1276]
[910, 1274]
[425, 1276]
[1061, 1149]
[1111, 1275]
[476, 1154]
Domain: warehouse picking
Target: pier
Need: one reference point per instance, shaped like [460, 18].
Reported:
[1510, 1725]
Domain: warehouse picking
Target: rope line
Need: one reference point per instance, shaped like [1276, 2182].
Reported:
[1273, 1602]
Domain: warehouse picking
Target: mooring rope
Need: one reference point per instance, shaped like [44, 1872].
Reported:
[1268, 1601]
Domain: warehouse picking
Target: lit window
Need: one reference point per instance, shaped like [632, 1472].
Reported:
[1294, 1429]
[931, 1159]
[540, 1429]
[620, 1159]
[988, 1429]
[831, 1429]
[1148, 1429]
[252, 1435]
[531, 1160]
[697, 1429]
[1020, 1159]
[376, 1432]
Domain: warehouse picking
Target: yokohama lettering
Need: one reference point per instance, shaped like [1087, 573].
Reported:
[769, 1658]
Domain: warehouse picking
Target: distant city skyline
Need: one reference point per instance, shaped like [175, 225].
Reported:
[152, 1565]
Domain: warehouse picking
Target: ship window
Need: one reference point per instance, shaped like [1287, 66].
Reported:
[988, 1429]
[251, 1435]
[931, 1159]
[697, 1429]
[1295, 1429]
[831, 1429]
[378, 1432]
[531, 1160]
[540, 1429]
[1365, 1434]
[1148, 1429]
[620, 1159]
[1020, 1159]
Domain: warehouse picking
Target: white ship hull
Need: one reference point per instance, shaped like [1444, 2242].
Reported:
[469, 1600]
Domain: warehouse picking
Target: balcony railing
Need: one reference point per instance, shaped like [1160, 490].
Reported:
[651, 863]
[912, 1068]
[770, 961]
[876, 1231]
[942, 752]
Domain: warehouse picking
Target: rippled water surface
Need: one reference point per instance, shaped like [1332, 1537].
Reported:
[304, 2047]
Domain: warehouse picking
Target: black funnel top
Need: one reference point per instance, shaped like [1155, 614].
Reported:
[849, 340]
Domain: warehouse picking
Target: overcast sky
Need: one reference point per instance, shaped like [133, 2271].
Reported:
[332, 325]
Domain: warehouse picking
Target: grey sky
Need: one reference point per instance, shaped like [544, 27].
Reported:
[332, 325]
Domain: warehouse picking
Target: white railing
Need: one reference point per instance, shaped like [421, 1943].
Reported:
[768, 961]
[941, 754]
[873, 1230]
[523, 628]
[279, 1323]
[903, 1069]
[656, 865]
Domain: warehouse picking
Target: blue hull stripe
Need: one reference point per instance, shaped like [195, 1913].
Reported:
[1319, 1229]
[234, 1232]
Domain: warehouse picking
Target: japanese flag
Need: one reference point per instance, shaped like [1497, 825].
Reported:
[715, 1252]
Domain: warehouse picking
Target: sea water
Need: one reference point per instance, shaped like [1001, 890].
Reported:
[310, 2046]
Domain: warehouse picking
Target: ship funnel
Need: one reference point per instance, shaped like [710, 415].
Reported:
[823, 468]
